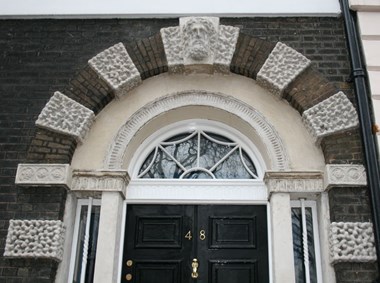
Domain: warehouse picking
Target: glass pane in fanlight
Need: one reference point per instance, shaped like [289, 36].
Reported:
[232, 168]
[212, 152]
[248, 162]
[185, 152]
[197, 175]
[163, 167]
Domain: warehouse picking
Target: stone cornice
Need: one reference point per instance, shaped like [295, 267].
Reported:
[294, 182]
[88, 181]
[43, 175]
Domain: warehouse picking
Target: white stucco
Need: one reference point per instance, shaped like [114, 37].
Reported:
[164, 8]
[286, 121]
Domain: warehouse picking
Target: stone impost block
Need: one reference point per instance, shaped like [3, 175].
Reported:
[90, 182]
[343, 175]
[64, 115]
[333, 115]
[43, 175]
[294, 182]
[282, 66]
[352, 242]
[35, 239]
[116, 67]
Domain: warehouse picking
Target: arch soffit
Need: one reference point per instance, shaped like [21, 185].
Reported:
[278, 68]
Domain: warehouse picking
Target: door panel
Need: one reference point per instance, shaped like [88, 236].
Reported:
[229, 242]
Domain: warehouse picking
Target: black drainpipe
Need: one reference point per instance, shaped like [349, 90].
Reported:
[359, 75]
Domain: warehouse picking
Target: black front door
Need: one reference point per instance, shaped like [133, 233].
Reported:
[196, 243]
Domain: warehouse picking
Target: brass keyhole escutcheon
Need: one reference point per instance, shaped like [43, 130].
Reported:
[128, 277]
[129, 263]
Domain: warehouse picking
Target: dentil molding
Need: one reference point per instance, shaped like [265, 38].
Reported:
[66, 116]
[35, 239]
[352, 242]
[43, 174]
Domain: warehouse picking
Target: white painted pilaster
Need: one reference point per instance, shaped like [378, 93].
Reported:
[282, 248]
[108, 250]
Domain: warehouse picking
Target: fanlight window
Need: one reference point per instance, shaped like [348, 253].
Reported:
[198, 155]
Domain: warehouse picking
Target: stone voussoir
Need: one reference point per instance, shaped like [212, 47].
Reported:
[335, 114]
[282, 66]
[66, 116]
[116, 67]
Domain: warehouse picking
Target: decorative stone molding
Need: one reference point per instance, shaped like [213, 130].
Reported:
[64, 115]
[267, 133]
[43, 174]
[87, 181]
[333, 115]
[116, 67]
[35, 239]
[339, 175]
[352, 242]
[294, 182]
[199, 44]
[282, 66]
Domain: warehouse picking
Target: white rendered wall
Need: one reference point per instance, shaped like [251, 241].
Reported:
[164, 8]
[368, 12]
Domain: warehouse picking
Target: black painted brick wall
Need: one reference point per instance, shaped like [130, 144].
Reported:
[38, 57]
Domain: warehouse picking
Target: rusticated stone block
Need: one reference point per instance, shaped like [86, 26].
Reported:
[35, 239]
[352, 242]
[116, 67]
[172, 40]
[64, 115]
[282, 66]
[333, 115]
[225, 48]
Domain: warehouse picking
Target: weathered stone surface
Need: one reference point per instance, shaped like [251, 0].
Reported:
[199, 44]
[352, 242]
[345, 175]
[282, 66]
[43, 174]
[35, 239]
[294, 182]
[64, 115]
[333, 115]
[116, 67]
[99, 181]
[225, 48]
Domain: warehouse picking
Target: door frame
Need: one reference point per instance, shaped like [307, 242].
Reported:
[183, 201]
